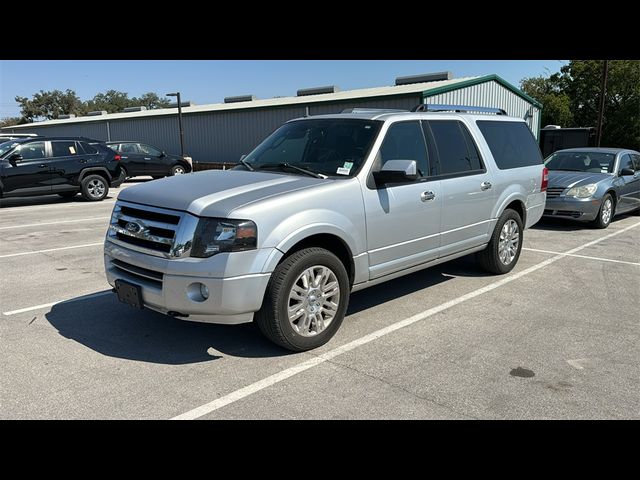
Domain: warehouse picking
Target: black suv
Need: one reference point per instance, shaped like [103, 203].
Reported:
[144, 159]
[62, 165]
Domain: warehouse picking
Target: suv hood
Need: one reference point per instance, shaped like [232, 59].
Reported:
[564, 179]
[215, 193]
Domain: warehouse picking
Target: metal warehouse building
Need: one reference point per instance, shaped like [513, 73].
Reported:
[224, 131]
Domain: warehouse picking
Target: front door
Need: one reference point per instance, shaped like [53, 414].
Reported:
[153, 160]
[28, 175]
[402, 220]
[467, 190]
[629, 191]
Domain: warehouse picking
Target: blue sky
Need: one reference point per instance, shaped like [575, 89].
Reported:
[209, 81]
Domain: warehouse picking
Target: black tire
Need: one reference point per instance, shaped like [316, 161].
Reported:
[489, 258]
[68, 194]
[94, 188]
[178, 169]
[602, 220]
[272, 318]
[123, 173]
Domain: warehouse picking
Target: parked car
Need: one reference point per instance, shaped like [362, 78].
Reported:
[593, 184]
[325, 206]
[58, 165]
[144, 159]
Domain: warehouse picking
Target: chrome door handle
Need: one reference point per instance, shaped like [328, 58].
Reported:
[42, 165]
[428, 195]
[123, 157]
[82, 160]
[485, 185]
[147, 158]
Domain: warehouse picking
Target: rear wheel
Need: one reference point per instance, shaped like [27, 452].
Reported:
[503, 251]
[123, 173]
[605, 214]
[94, 188]
[68, 194]
[305, 301]
[177, 170]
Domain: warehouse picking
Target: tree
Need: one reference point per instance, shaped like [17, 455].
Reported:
[9, 121]
[50, 105]
[112, 101]
[571, 98]
[151, 100]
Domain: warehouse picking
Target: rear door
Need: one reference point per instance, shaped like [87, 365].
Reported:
[30, 174]
[133, 159]
[403, 219]
[467, 186]
[67, 159]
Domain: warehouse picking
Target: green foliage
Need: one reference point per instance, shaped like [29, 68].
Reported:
[50, 105]
[571, 98]
[9, 121]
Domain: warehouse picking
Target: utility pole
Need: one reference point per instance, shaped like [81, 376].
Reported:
[603, 94]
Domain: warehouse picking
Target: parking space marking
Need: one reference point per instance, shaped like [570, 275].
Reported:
[301, 367]
[51, 206]
[55, 223]
[47, 305]
[52, 250]
[581, 256]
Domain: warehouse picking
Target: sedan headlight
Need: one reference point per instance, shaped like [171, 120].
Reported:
[584, 191]
[215, 235]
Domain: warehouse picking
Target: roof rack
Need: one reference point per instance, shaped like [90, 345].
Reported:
[372, 110]
[424, 107]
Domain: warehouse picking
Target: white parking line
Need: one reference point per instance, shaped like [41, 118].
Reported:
[301, 367]
[55, 223]
[581, 256]
[47, 305]
[52, 250]
[52, 206]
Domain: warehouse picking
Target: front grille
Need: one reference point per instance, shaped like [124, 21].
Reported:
[151, 230]
[554, 192]
[139, 272]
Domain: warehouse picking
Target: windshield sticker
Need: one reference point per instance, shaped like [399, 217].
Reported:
[348, 165]
[72, 150]
[343, 171]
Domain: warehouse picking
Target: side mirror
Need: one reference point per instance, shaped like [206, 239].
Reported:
[397, 171]
[163, 154]
[626, 171]
[14, 157]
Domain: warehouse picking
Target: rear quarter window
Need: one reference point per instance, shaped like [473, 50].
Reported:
[511, 143]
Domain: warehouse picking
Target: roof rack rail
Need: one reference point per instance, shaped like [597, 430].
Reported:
[372, 110]
[424, 107]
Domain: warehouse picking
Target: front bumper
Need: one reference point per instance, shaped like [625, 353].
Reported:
[584, 209]
[165, 288]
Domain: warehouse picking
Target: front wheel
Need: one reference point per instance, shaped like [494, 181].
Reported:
[177, 170]
[305, 301]
[503, 251]
[605, 214]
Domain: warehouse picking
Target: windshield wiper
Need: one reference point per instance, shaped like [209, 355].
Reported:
[247, 165]
[284, 165]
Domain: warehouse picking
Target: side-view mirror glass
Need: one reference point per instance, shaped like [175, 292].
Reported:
[626, 171]
[163, 153]
[15, 157]
[397, 171]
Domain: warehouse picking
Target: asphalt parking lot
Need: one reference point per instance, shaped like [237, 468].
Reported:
[559, 337]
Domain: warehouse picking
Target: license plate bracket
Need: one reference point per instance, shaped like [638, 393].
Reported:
[129, 293]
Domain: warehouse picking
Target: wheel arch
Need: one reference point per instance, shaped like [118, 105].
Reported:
[95, 171]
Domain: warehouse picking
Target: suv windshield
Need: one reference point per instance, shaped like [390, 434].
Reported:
[595, 162]
[329, 146]
[6, 146]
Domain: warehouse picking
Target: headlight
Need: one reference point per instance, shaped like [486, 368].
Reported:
[215, 235]
[584, 191]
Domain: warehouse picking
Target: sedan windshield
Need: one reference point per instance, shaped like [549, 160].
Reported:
[594, 162]
[329, 146]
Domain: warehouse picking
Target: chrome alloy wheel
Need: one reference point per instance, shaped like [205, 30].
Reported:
[177, 170]
[96, 188]
[313, 300]
[508, 243]
[607, 209]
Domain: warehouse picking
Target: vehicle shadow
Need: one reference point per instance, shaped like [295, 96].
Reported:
[49, 200]
[562, 224]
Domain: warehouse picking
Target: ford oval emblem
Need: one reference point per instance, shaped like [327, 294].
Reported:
[133, 227]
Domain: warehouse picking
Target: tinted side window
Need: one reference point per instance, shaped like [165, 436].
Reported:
[63, 149]
[128, 148]
[454, 151]
[115, 147]
[511, 143]
[149, 150]
[405, 141]
[90, 149]
[32, 151]
[626, 162]
[636, 162]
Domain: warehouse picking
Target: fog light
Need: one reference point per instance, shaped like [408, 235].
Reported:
[198, 292]
[204, 291]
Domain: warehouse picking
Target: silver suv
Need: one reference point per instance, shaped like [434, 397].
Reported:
[325, 206]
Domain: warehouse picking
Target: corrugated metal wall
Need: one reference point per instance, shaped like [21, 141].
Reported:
[96, 130]
[491, 94]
